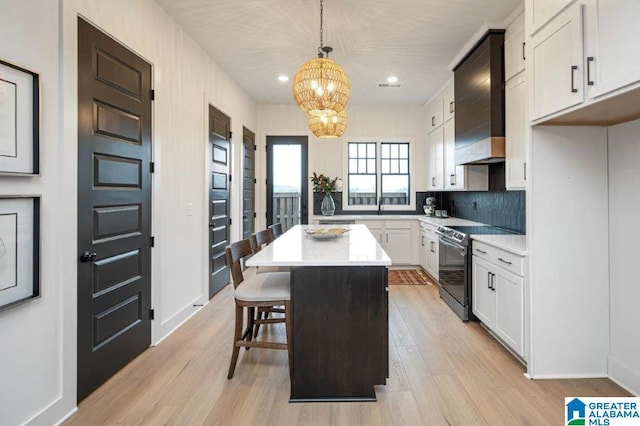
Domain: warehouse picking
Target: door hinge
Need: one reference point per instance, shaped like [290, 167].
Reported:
[229, 178]
[152, 314]
[255, 147]
[152, 167]
[152, 241]
[255, 181]
[230, 135]
[153, 95]
[255, 214]
[229, 221]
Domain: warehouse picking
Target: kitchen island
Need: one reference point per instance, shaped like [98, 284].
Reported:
[339, 304]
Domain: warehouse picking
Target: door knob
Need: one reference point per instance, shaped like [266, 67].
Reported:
[88, 257]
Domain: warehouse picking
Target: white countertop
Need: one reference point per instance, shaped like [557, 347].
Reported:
[358, 247]
[448, 221]
[516, 244]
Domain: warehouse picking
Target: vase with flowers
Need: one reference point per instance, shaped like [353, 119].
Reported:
[326, 185]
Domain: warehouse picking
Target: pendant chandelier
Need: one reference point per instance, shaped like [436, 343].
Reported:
[320, 86]
[326, 127]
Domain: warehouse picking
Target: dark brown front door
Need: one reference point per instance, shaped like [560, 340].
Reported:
[114, 207]
[248, 182]
[219, 218]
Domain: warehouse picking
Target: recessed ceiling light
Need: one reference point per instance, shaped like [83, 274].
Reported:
[392, 79]
[283, 78]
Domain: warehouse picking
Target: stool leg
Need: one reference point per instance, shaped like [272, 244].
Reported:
[252, 325]
[257, 327]
[237, 336]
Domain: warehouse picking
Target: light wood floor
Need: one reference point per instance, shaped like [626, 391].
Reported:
[443, 372]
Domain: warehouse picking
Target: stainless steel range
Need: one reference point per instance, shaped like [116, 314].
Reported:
[455, 265]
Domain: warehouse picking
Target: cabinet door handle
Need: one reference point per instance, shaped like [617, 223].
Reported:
[574, 68]
[431, 246]
[523, 54]
[524, 170]
[480, 251]
[433, 181]
[451, 107]
[452, 180]
[489, 280]
[423, 241]
[493, 282]
[504, 261]
[590, 59]
[433, 123]
[387, 238]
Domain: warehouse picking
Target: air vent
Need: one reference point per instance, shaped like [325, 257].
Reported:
[389, 85]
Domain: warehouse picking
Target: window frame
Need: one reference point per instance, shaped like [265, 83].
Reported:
[379, 141]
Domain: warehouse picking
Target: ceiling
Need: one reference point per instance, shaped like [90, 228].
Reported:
[255, 41]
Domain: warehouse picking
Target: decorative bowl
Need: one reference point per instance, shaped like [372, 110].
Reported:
[325, 233]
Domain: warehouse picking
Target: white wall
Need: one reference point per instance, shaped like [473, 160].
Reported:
[31, 349]
[326, 155]
[624, 212]
[38, 340]
[568, 252]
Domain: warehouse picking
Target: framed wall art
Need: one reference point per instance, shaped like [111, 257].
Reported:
[19, 250]
[19, 120]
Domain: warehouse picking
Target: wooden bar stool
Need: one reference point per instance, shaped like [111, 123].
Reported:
[254, 292]
[262, 238]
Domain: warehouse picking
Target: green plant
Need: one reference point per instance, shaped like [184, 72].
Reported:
[324, 184]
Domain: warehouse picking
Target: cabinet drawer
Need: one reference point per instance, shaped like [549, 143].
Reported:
[508, 261]
[397, 224]
[371, 224]
[428, 227]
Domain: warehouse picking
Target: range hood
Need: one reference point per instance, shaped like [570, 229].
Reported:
[479, 101]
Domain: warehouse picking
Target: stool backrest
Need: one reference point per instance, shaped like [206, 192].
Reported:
[262, 238]
[277, 229]
[235, 252]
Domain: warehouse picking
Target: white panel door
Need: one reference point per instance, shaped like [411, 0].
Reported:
[557, 64]
[453, 175]
[613, 45]
[433, 255]
[539, 12]
[516, 126]
[436, 160]
[397, 244]
[483, 295]
[514, 54]
[509, 293]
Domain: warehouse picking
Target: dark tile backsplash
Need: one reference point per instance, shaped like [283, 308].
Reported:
[504, 209]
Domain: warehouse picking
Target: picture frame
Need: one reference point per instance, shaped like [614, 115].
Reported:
[19, 250]
[19, 121]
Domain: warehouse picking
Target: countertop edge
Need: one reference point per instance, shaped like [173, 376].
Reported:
[504, 242]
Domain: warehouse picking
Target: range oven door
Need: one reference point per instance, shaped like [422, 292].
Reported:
[453, 273]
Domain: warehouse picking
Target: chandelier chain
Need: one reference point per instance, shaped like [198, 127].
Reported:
[321, 29]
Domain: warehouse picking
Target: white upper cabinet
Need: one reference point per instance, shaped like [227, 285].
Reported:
[436, 114]
[514, 48]
[516, 128]
[436, 159]
[613, 45]
[557, 64]
[454, 175]
[449, 103]
[541, 11]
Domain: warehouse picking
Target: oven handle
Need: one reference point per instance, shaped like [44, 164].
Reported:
[452, 245]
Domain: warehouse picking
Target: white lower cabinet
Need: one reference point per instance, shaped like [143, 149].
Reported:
[396, 238]
[429, 249]
[498, 296]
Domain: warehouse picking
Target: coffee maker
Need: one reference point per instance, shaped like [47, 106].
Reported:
[430, 206]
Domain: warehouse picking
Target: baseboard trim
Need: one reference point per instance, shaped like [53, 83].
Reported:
[568, 376]
[623, 376]
[178, 320]
[66, 416]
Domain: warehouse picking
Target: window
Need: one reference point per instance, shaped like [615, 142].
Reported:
[378, 171]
